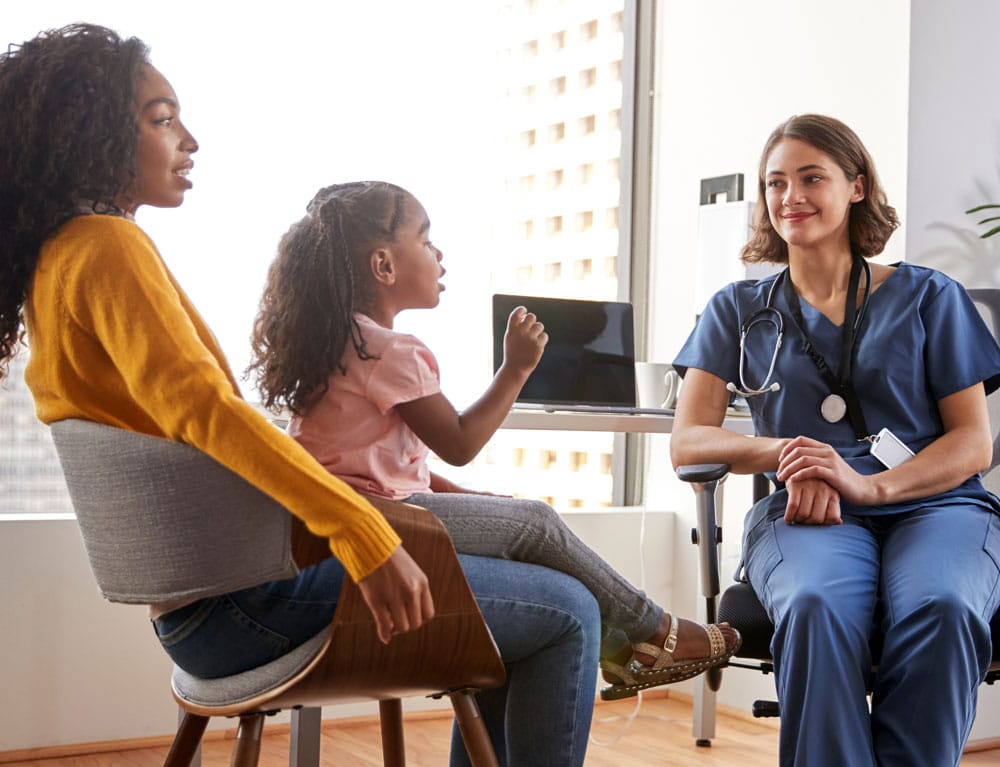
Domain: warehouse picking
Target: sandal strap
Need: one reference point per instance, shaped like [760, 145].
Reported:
[716, 640]
[664, 655]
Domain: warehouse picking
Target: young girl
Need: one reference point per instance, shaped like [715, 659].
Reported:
[366, 401]
[91, 133]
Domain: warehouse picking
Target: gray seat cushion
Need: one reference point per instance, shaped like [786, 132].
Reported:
[162, 521]
[238, 688]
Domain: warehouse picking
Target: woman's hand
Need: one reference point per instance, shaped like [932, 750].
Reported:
[808, 459]
[812, 502]
[524, 341]
[398, 595]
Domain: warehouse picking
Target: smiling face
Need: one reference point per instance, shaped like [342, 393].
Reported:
[163, 155]
[809, 196]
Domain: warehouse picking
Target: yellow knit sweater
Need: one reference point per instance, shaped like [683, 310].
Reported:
[113, 339]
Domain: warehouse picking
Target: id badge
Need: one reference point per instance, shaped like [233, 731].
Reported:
[890, 449]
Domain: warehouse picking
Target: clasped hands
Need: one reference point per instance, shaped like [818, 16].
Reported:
[816, 479]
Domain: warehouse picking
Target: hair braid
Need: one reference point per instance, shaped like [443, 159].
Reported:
[315, 287]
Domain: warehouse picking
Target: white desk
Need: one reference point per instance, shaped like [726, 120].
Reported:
[613, 422]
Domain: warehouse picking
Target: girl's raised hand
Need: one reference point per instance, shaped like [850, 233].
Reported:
[524, 341]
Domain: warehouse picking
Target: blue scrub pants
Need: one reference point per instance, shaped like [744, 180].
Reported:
[930, 581]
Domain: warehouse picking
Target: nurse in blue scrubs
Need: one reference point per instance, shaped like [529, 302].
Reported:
[848, 367]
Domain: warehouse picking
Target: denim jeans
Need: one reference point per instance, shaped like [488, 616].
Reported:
[545, 623]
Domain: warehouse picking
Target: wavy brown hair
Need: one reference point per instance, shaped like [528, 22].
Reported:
[316, 284]
[872, 220]
[69, 135]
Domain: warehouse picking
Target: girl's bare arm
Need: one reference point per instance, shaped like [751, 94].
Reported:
[458, 437]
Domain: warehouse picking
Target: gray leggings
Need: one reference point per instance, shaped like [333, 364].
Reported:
[531, 531]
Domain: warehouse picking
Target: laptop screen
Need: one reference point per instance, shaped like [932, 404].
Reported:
[590, 357]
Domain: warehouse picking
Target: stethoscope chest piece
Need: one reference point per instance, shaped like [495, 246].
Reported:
[833, 408]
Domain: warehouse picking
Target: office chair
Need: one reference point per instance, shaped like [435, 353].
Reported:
[739, 604]
[162, 521]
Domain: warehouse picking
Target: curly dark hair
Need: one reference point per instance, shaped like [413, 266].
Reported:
[872, 220]
[69, 131]
[314, 287]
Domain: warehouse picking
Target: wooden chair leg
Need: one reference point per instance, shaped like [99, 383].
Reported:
[473, 729]
[246, 752]
[390, 714]
[186, 741]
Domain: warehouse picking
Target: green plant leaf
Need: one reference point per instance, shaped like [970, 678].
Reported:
[982, 207]
[991, 218]
[991, 232]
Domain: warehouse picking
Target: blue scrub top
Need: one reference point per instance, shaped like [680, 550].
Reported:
[921, 339]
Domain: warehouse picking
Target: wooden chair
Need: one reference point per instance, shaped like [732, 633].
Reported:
[153, 512]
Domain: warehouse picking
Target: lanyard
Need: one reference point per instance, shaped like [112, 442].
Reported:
[841, 384]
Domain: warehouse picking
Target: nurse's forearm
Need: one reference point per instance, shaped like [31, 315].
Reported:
[942, 465]
[697, 444]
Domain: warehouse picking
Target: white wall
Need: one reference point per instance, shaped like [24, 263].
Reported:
[728, 72]
[954, 138]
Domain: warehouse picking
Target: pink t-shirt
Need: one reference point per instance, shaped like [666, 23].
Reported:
[355, 430]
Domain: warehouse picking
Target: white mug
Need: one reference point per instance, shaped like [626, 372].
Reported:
[657, 385]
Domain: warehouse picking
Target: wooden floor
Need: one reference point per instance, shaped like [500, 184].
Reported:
[659, 734]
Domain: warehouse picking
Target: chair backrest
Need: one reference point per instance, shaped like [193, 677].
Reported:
[162, 521]
[987, 300]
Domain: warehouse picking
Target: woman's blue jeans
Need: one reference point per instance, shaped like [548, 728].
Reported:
[545, 623]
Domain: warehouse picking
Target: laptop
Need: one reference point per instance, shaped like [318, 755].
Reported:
[589, 362]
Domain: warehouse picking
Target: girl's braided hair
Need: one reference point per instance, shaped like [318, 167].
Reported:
[314, 287]
[67, 118]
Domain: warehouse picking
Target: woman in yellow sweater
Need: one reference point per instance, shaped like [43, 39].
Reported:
[91, 133]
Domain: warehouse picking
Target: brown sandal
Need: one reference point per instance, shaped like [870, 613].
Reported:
[635, 676]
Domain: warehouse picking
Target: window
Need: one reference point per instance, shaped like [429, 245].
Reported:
[555, 178]
[517, 119]
[547, 458]
[588, 78]
[615, 71]
[584, 220]
[611, 218]
[577, 460]
[615, 119]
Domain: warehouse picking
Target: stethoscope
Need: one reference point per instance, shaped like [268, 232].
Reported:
[771, 316]
[834, 407]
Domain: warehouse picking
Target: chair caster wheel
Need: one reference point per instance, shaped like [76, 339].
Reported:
[703, 743]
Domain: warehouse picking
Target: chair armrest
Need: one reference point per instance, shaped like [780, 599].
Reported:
[702, 472]
[705, 479]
